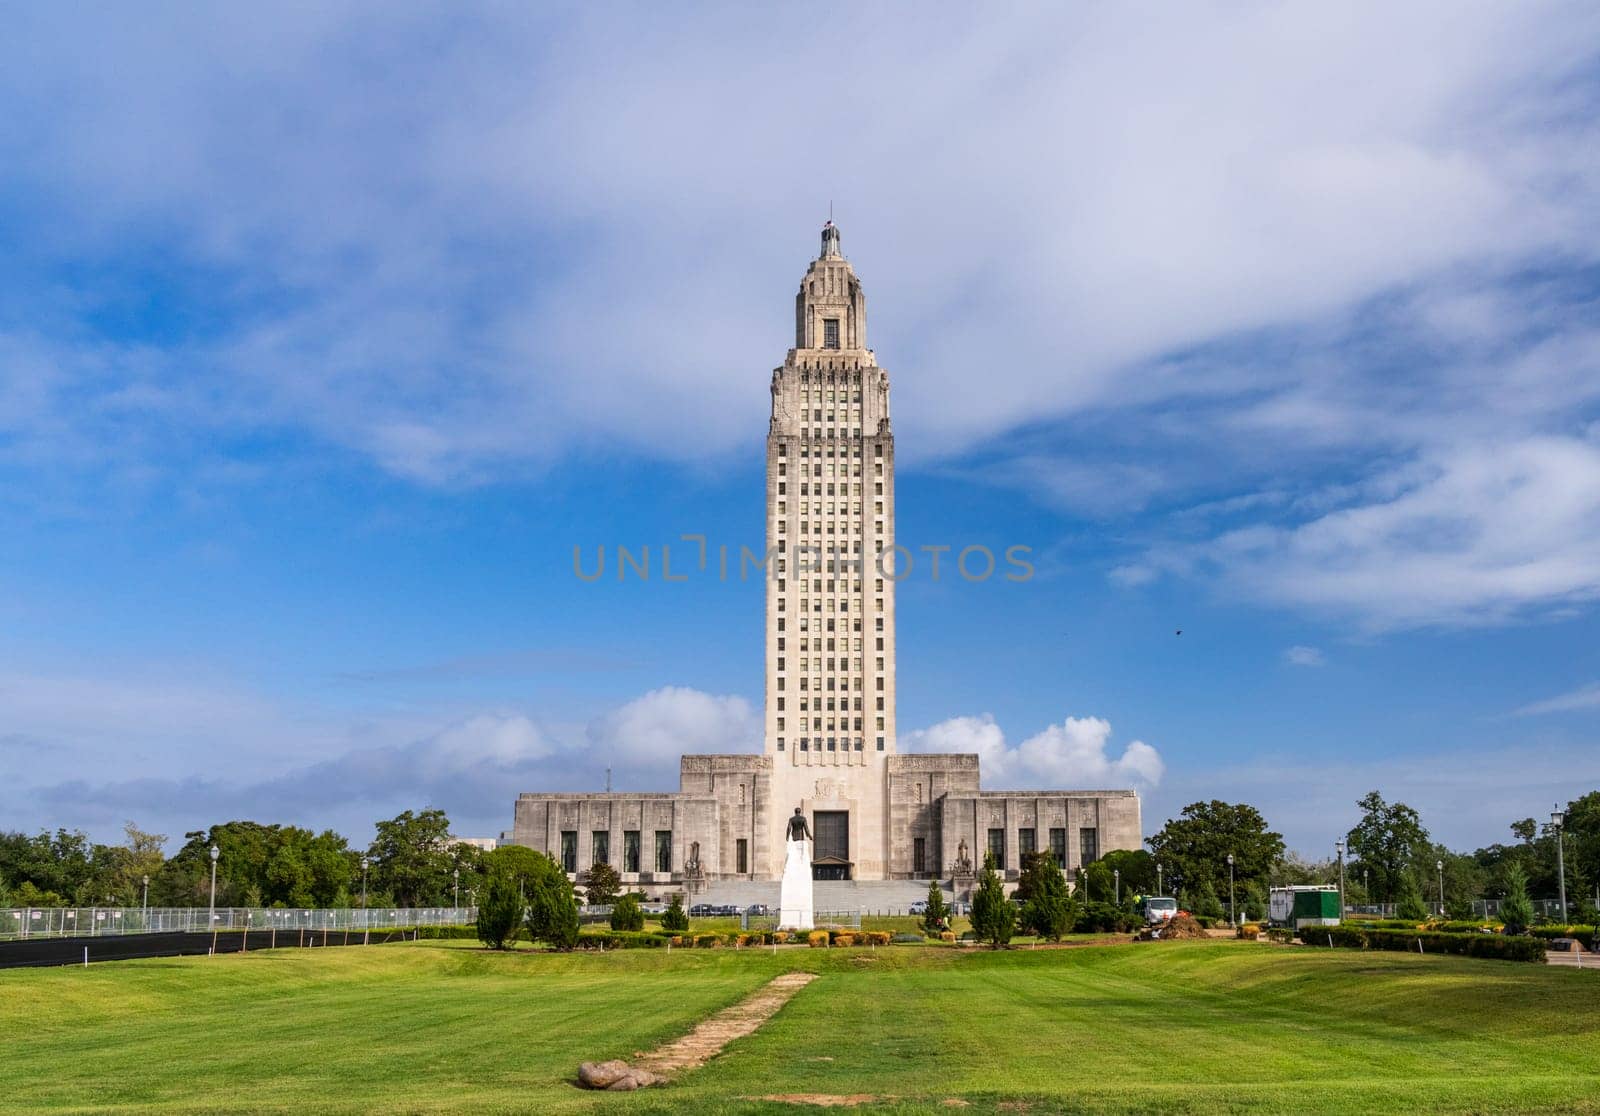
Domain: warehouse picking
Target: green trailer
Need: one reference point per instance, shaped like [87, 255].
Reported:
[1298, 906]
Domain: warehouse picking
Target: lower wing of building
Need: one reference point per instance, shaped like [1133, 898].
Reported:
[929, 820]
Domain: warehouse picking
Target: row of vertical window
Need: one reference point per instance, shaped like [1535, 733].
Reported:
[600, 850]
[1088, 846]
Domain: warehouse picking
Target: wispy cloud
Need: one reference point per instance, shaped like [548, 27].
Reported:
[1573, 701]
[1300, 655]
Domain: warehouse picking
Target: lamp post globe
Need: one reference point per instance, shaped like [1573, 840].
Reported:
[215, 852]
[1231, 916]
[1557, 817]
[1338, 847]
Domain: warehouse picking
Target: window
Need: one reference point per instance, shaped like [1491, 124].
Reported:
[1026, 845]
[1058, 847]
[630, 850]
[1088, 846]
[663, 850]
[997, 847]
[569, 851]
[919, 856]
[742, 855]
[830, 333]
[600, 847]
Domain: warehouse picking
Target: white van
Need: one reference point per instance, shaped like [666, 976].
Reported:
[1158, 909]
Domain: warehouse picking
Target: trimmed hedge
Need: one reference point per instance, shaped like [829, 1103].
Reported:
[1497, 946]
[1584, 934]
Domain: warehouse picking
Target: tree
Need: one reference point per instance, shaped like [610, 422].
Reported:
[626, 914]
[553, 911]
[499, 913]
[1409, 904]
[1255, 902]
[1048, 910]
[933, 919]
[1203, 901]
[994, 917]
[1387, 841]
[1138, 869]
[1195, 846]
[602, 884]
[411, 858]
[1516, 912]
[675, 918]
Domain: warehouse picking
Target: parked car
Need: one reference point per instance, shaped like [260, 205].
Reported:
[702, 910]
[653, 907]
[758, 909]
[920, 907]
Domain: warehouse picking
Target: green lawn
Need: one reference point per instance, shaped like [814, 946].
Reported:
[444, 1026]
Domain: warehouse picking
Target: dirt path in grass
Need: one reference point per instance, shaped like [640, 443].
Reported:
[707, 1040]
[698, 1046]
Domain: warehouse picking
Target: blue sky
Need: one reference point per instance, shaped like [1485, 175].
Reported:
[326, 334]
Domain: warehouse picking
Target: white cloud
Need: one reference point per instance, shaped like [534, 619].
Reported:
[1300, 655]
[1573, 701]
[1072, 755]
[484, 243]
[652, 731]
[1468, 535]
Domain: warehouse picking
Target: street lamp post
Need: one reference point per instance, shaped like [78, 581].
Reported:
[1439, 866]
[1116, 883]
[366, 919]
[1339, 848]
[1159, 889]
[1232, 917]
[215, 852]
[145, 902]
[455, 895]
[1556, 820]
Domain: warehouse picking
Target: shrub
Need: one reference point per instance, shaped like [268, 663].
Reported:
[601, 885]
[947, 935]
[1250, 931]
[1515, 909]
[907, 939]
[675, 917]
[626, 914]
[500, 913]
[1584, 934]
[994, 917]
[1495, 946]
[1104, 918]
[552, 910]
[938, 912]
[780, 936]
[1409, 905]
[817, 939]
[1281, 934]
[1202, 902]
[843, 938]
[1048, 911]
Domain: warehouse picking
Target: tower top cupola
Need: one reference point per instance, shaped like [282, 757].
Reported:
[830, 242]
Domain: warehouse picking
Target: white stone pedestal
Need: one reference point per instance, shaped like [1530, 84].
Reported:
[794, 896]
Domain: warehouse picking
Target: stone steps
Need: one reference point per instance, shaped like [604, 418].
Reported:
[866, 896]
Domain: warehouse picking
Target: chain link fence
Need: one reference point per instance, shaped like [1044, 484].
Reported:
[18, 923]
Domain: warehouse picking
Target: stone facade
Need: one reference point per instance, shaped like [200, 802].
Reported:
[829, 742]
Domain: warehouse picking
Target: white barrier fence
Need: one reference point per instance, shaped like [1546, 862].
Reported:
[85, 922]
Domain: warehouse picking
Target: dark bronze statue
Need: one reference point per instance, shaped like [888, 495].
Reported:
[798, 829]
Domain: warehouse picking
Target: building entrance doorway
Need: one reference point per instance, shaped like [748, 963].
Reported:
[830, 858]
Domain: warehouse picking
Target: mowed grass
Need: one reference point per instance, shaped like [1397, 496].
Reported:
[445, 1027]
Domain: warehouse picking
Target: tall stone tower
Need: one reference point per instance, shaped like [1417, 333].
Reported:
[830, 651]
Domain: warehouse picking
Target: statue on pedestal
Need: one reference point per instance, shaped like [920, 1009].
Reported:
[794, 894]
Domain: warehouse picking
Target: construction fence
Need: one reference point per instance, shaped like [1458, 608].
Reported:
[20, 923]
